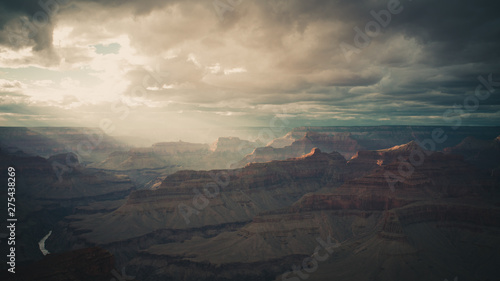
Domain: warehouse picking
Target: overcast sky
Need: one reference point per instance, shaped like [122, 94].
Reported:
[170, 69]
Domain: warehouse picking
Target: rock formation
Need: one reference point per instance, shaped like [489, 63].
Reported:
[482, 153]
[339, 142]
[407, 232]
[233, 144]
[229, 196]
[401, 212]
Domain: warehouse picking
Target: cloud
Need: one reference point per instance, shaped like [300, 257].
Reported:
[10, 85]
[164, 57]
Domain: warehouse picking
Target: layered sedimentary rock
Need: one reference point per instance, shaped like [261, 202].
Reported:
[146, 166]
[286, 140]
[159, 155]
[399, 212]
[379, 137]
[370, 159]
[390, 232]
[482, 153]
[191, 199]
[411, 242]
[339, 142]
[350, 141]
[266, 154]
[233, 144]
[174, 156]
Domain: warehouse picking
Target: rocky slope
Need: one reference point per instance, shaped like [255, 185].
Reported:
[425, 227]
[173, 156]
[379, 137]
[349, 140]
[399, 213]
[48, 190]
[482, 153]
[193, 199]
[430, 241]
[147, 166]
[91, 144]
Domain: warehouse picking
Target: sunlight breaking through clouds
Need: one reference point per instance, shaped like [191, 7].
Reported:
[94, 55]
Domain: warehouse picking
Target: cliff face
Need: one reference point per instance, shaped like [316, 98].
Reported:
[434, 173]
[378, 137]
[258, 221]
[339, 142]
[405, 232]
[482, 153]
[349, 140]
[159, 155]
[233, 144]
[286, 140]
[231, 196]
[174, 156]
[315, 165]
[416, 241]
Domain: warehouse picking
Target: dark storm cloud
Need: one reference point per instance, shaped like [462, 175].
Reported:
[13, 9]
[449, 32]
[31, 22]
[454, 32]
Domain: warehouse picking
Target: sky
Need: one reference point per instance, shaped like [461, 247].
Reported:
[180, 69]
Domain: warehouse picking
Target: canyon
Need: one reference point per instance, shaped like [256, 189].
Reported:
[316, 204]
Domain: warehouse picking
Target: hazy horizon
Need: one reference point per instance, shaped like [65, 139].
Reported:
[262, 135]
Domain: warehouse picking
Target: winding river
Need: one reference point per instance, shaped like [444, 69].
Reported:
[41, 244]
